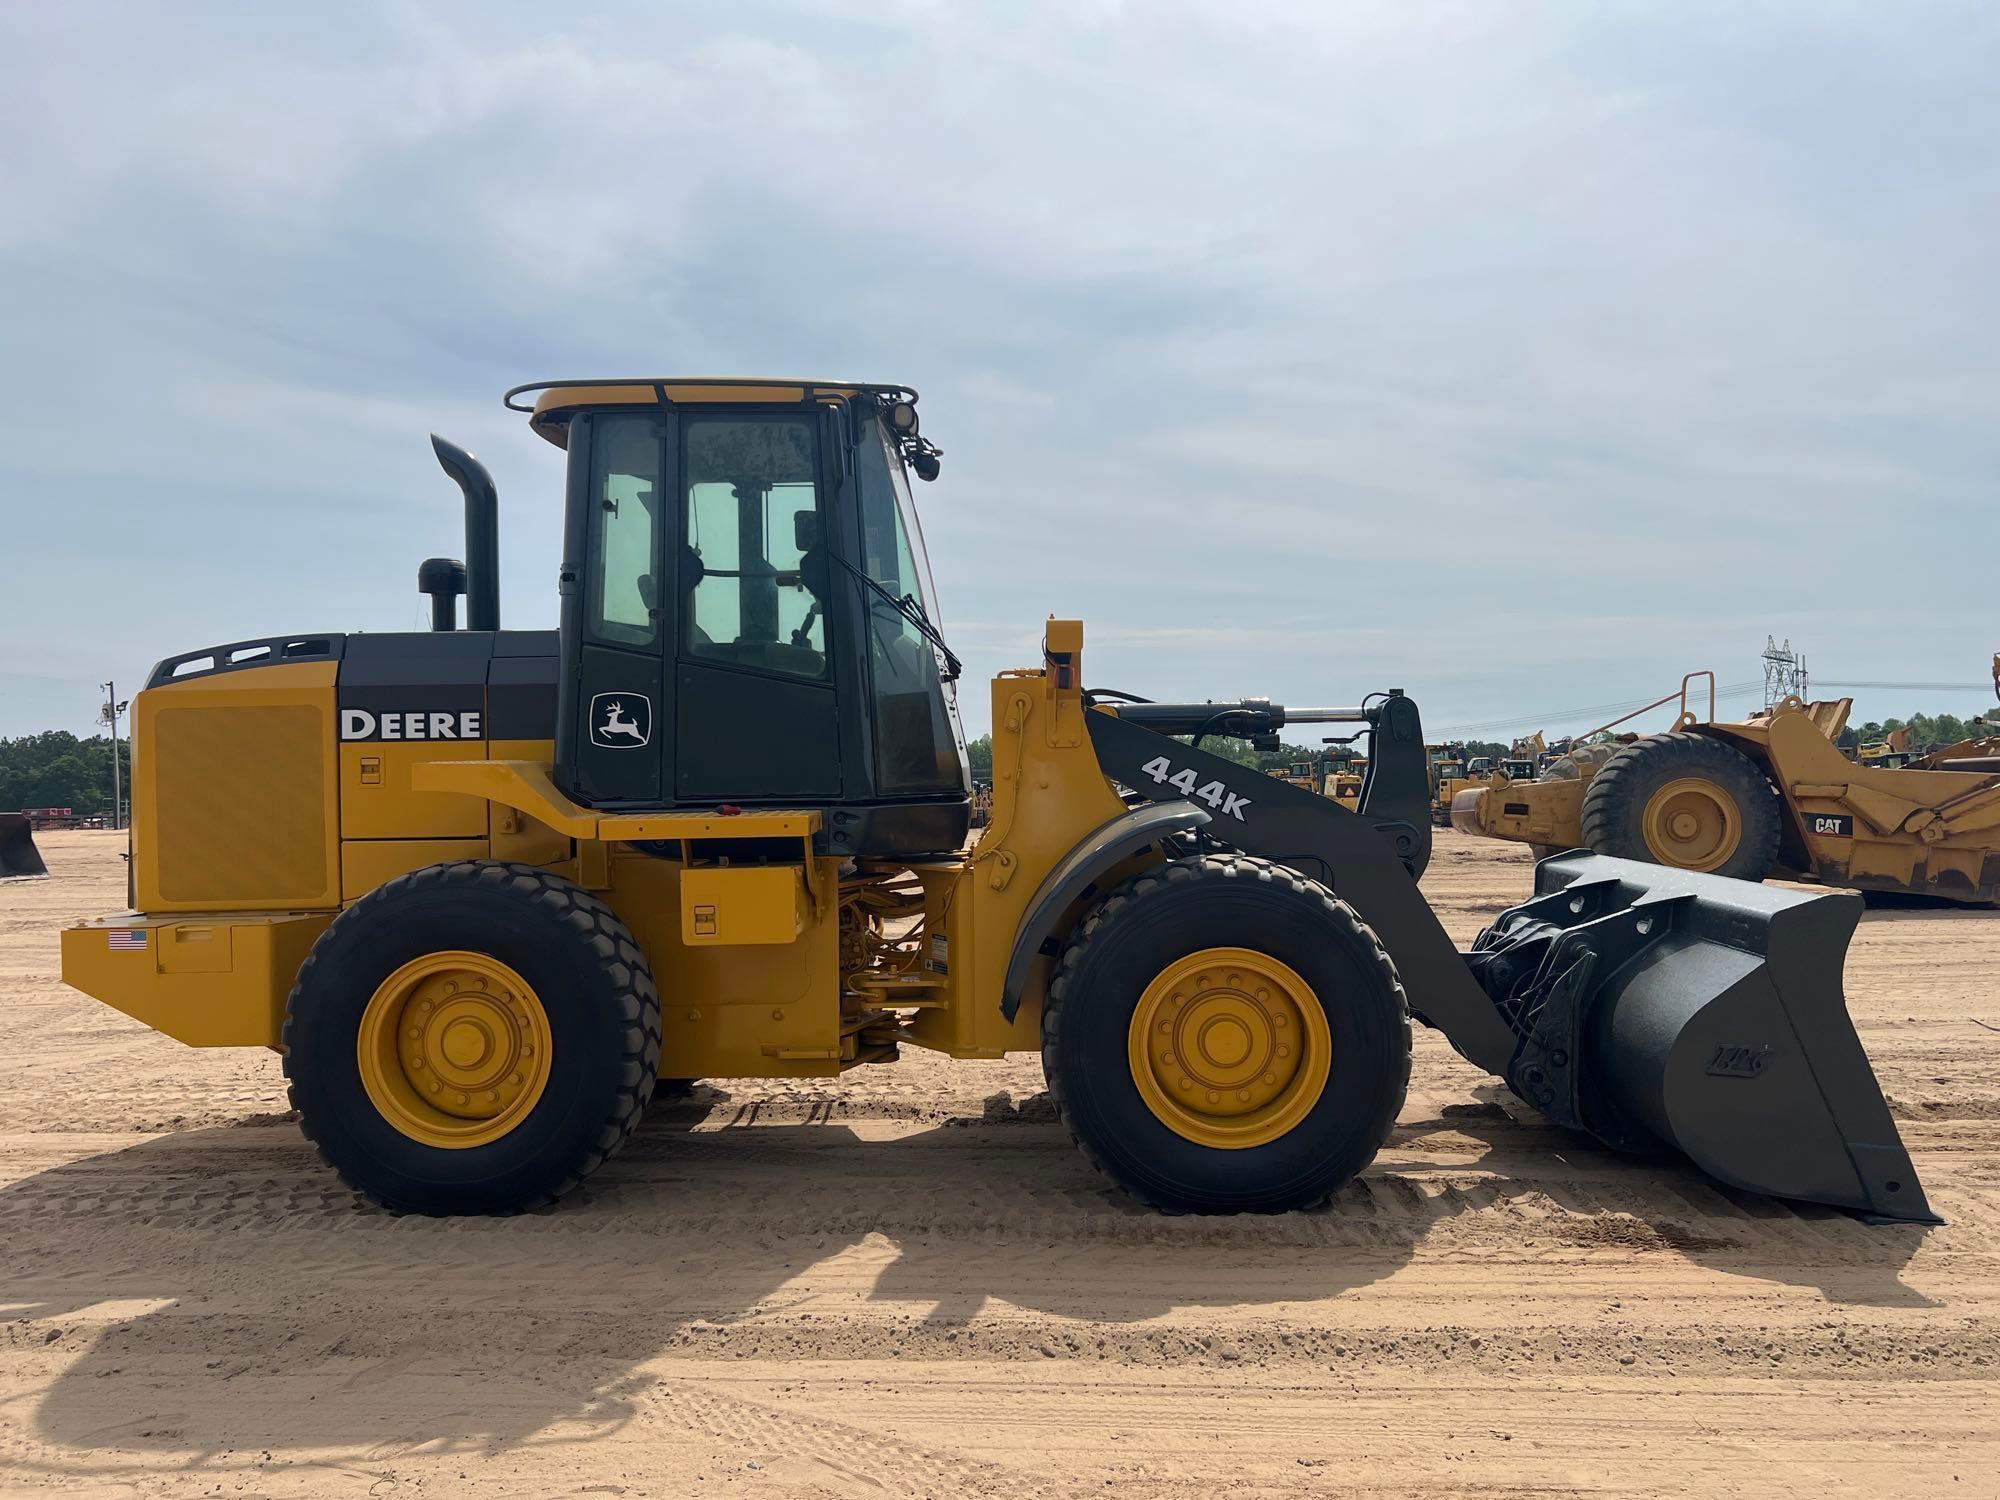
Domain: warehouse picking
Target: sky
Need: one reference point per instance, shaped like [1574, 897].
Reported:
[1521, 357]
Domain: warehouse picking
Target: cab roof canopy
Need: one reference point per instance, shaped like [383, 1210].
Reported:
[551, 409]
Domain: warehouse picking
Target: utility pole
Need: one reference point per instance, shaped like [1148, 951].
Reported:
[109, 715]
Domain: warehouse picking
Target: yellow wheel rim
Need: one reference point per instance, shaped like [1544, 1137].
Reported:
[455, 1049]
[1230, 1048]
[1692, 824]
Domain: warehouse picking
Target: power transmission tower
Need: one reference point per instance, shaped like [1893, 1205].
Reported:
[1784, 673]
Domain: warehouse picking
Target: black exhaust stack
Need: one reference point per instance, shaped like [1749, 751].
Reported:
[482, 540]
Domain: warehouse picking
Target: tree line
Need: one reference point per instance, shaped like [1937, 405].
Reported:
[57, 769]
[979, 753]
[1927, 731]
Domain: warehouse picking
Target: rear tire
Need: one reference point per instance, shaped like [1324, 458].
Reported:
[1307, 965]
[1687, 801]
[509, 962]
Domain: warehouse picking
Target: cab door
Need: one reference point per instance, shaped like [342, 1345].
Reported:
[617, 609]
[753, 676]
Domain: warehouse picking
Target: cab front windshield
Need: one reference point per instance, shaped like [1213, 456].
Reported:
[918, 745]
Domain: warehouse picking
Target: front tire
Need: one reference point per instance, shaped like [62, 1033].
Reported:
[1687, 801]
[1223, 1035]
[472, 1038]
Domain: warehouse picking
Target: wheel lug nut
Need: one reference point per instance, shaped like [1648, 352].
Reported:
[1244, 1094]
[464, 1099]
[515, 1080]
[1283, 1050]
[492, 1096]
[416, 1062]
[1268, 1078]
[434, 1085]
[1214, 1097]
[1167, 1060]
[1263, 994]
[1187, 1083]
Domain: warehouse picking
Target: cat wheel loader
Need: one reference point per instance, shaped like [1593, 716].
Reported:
[1770, 796]
[485, 888]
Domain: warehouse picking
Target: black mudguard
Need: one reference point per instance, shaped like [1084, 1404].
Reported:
[1094, 856]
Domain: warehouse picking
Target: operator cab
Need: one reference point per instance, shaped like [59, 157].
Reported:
[748, 617]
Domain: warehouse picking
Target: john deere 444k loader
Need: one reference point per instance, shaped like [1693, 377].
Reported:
[482, 888]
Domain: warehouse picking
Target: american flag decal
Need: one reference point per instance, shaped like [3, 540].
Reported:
[128, 940]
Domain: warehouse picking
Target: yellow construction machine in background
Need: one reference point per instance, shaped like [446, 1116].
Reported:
[1888, 753]
[1450, 777]
[1338, 777]
[1771, 795]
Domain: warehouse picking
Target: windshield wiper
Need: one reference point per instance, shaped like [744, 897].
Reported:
[908, 607]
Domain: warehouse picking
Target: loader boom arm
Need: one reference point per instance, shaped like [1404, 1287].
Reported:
[1641, 1004]
[1370, 858]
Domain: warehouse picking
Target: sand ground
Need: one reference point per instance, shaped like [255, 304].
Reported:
[909, 1283]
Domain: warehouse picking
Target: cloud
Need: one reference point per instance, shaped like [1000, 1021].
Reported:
[1303, 350]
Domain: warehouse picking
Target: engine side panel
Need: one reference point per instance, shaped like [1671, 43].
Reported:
[235, 801]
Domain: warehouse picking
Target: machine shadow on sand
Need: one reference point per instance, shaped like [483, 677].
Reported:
[254, 1268]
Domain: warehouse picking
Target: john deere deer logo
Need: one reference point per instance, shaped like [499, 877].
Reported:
[621, 721]
[615, 722]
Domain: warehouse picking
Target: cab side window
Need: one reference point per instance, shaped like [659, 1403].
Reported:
[623, 595]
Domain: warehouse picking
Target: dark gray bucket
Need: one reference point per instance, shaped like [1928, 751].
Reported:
[18, 854]
[1661, 1007]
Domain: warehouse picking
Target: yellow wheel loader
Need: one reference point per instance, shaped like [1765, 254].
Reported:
[1303, 774]
[484, 889]
[1344, 784]
[1771, 796]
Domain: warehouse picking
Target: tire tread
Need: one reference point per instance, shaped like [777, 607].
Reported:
[616, 951]
[1614, 802]
[1215, 866]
